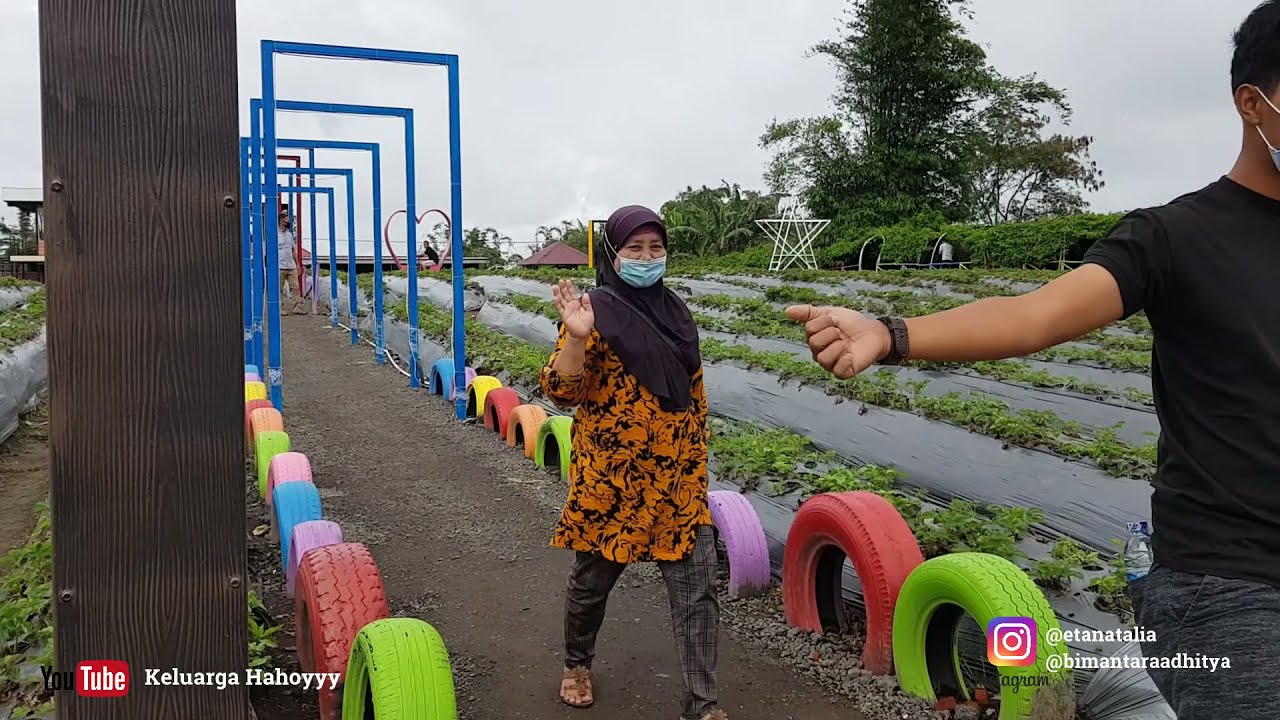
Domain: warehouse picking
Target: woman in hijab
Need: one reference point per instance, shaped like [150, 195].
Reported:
[628, 360]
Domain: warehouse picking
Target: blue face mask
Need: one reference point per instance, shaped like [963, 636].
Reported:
[642, 273]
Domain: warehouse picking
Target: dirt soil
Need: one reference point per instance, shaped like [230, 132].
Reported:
[24, 478]
[459, 525]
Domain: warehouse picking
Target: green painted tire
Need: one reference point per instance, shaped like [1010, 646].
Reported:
[398, 670]
[937, 595]
[268, 444]
[555, 443]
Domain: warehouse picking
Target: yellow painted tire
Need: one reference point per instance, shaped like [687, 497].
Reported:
[255, 391]
[477, 390]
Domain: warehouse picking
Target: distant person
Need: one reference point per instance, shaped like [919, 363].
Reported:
[944, 253]
[433, 257]
[628, 359]
[1202, 267]
[288, 266]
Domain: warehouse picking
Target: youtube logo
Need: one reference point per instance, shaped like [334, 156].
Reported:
[102, 678]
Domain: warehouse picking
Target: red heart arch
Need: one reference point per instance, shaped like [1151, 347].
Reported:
[386, 238]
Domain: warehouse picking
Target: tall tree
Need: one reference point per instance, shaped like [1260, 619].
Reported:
[1016, 171]
[919, 116]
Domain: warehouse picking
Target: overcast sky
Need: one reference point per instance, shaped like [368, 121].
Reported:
[573, 107]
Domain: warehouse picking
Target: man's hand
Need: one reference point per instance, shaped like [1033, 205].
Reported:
[844, 342]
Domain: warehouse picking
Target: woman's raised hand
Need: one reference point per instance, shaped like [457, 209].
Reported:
[574, 308]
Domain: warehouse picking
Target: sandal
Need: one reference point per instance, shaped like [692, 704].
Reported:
[716, 715]
[581, 678]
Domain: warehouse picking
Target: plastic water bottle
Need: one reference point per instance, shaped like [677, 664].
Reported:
[1137, 550]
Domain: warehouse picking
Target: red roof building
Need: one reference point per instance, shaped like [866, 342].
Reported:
[557, 254]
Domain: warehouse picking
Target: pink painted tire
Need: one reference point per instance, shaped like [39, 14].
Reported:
[744, 541]
[470, 375]
[252, 377]
[308, 536]
[287, 467]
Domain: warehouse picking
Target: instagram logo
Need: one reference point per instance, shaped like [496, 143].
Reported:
[1011, 641]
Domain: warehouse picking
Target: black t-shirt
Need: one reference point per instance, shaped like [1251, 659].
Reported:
[1206, 269]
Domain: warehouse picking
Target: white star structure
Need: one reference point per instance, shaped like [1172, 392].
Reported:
[792, 239]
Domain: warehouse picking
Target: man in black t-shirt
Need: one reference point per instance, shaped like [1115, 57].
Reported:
[1203, 269]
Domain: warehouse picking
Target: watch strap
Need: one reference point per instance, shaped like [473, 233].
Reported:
[900, 344]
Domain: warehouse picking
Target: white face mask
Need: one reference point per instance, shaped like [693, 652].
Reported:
[1275, 154]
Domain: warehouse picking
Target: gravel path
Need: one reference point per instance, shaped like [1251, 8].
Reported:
[459, 525]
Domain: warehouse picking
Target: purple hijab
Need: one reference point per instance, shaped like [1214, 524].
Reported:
[664, 361]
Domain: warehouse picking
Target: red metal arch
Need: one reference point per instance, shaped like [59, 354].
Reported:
[386, 238]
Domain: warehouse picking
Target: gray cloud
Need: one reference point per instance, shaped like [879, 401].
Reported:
[574, 107]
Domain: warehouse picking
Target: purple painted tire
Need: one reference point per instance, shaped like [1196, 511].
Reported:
[739, 527]
[308, 536]
[252, 377]
[470, 375]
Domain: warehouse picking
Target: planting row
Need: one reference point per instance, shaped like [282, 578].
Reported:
[384, 666]
[1036, 429]
[23, 372]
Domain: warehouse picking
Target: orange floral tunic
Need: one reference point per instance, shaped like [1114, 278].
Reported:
[638, 477]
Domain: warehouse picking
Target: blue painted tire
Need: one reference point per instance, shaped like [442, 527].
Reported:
[441, 377]
[251, 369]
[293, 503]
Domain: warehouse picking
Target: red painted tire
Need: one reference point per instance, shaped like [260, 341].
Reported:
[337, 592]
[498, 404]
[868, 530]
[249, 407]
[308, 536]
[287, 467]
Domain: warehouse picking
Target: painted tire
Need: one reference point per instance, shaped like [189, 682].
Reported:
[249, 407]
[744, 541]
[938, 594]
[498, 404]
[252, 377]
[522, 428]
[477, 390]
[266, 445]
[286, 467]
[338, 592]
[293, 503]
[441, 376]
[264, 419]
[868, 530]
[555, 444]
[306, 536]
[255, 391]
[251, 368]
[399, 668]
[469, 374]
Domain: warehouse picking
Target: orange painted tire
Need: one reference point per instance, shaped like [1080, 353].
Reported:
[339, 591]
[868, 530]
[522, 428]
[263, 419]
[477, 389]
[249, 407]
[498, 404]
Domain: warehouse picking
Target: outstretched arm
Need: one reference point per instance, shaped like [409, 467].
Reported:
[1083, 300]
[1121, 275]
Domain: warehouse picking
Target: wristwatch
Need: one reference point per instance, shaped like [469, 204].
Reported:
[899, 343]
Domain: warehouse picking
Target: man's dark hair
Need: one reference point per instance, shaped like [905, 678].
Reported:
[1256, 60]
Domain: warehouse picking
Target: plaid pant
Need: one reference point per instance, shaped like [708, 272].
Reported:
[695, 615]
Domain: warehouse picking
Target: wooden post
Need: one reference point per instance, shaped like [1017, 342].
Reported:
[141, 182]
